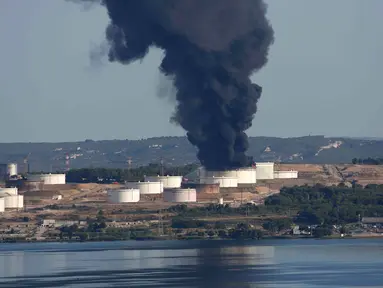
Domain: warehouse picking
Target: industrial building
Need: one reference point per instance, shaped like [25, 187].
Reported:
[167, 181]
[10, 199]
[123, 196]
[146, 188]
[48, 179]
[179, 195]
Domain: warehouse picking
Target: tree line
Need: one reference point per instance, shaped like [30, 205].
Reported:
[304, 205]
[110, 175]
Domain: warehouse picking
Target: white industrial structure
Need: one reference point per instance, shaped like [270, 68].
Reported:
[247, 175]
[228, 173]
[8, 191]
[14, 201]
[2, 205]
[167, 181]
[9, 198]
[48, 179]
[224, 182]
[124, 196]
[286, 174]
[265, 170]
[12, 169]
[147, 187]
[178, 195]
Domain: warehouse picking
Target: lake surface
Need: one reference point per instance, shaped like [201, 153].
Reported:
[181, 264]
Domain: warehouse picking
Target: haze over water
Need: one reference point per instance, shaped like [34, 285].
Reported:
[295, 263]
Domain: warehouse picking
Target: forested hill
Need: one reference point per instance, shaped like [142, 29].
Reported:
[178, 151]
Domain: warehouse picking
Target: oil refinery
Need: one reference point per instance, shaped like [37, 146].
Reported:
[170, 188]
[186, 189]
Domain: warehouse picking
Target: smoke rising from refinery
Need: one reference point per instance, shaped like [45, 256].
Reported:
[211, 49]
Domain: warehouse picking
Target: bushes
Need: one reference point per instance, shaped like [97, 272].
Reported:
[187, 223]
[329, 205]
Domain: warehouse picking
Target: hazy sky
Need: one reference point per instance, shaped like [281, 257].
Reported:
[324, 75]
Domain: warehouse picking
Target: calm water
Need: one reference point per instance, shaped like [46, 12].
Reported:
[181, 264]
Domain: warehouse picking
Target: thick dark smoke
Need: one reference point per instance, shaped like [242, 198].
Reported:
[211, 49]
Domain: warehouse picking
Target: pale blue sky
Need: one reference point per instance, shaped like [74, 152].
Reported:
[324, 75]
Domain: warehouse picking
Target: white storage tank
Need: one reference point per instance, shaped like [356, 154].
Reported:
[265, 170]
[14, 201]
[53, 179]
[2, 205]
[223, 182]
[147, 187]
[12, 169]
[178, 195]
[167, 181]
[286, 174]
[48, 179]
[8, 191]
[228, 173]
[124, 196]
[247, 175]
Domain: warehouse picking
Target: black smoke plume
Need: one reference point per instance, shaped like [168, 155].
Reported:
[211, 49]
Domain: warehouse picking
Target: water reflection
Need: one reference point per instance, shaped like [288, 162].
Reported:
[19, 263]
[239, 266]
[195, 265]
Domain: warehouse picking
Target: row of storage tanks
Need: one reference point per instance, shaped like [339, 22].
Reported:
[10, 199]
[168, 186]
[243, 176]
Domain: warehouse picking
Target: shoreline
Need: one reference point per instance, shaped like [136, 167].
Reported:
[332, 237]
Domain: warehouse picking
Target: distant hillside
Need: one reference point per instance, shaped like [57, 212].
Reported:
[178, 151]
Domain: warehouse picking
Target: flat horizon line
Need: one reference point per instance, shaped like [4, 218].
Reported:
[154, 137]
